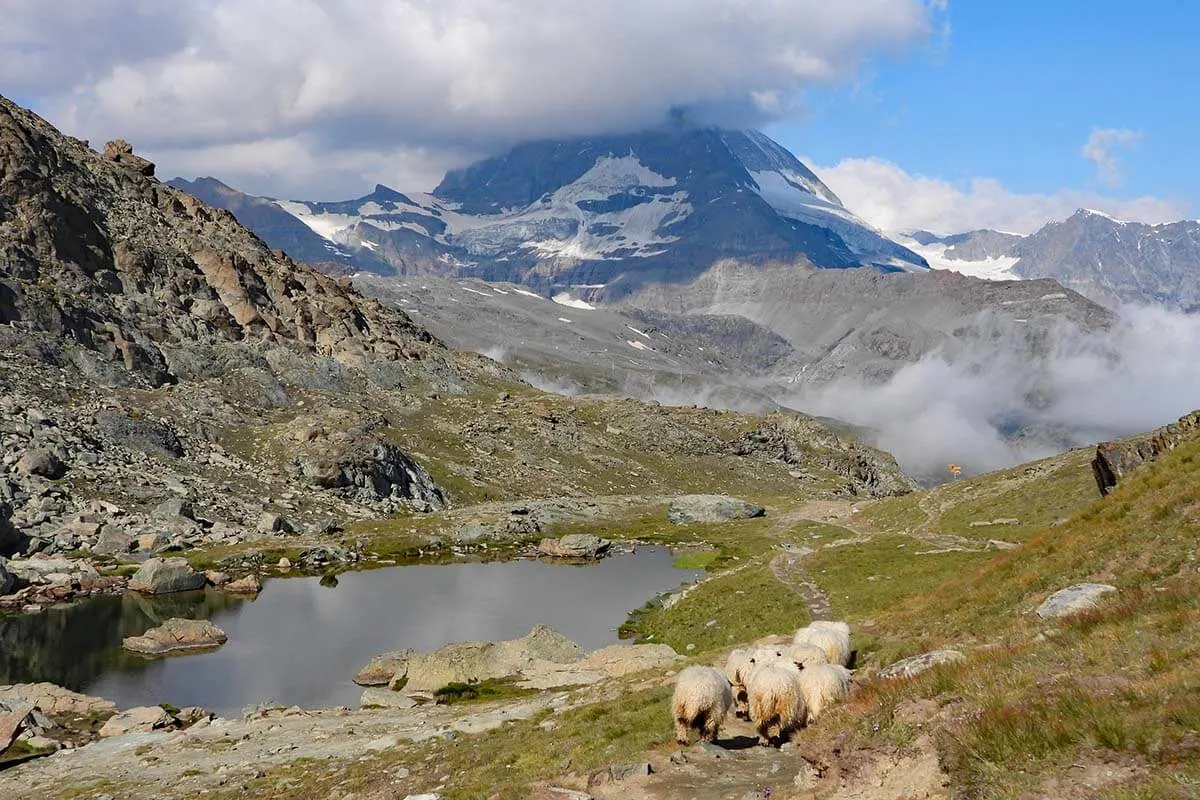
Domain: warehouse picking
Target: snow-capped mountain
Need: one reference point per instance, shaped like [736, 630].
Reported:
[1109, 260]
[599, 215]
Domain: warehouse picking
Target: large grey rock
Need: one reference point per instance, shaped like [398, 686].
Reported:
[374, 469]
[6, 578]
[166, 575]
[42, 462]
[173, 508]
[467, 662]
[113, 541]
[1073, 599]
[575, 545]
[54, 700]
[915, 665]
[711, 508]
[176, 635]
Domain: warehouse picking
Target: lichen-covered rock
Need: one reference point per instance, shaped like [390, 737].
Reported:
[166, 575]
[711, 508]
[373, 468]
[915, 665]
[1073, 599]
[176, 635]
[1115, 460]
[582, 546]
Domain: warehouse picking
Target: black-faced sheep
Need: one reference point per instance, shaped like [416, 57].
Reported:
[822, 685]
[776, 701]
[702, 699]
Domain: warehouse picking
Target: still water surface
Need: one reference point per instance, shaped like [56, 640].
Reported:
[300, 643]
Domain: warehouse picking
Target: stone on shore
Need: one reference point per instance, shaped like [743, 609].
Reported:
[469, 662]
[177, 635]
[247, 585]
[166, 575]
[383, 668]
[575, 545]
[693, 508]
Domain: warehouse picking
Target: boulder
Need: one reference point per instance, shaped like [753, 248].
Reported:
[173, 508]
[166, 575]
[711, 508]
[177, 635]
[7, 581]
[575, 545]
[1073, 599]
[142, 718]
[247, 585]
[120, 152]
[113, 541]
[152, 542]
[383, 668]
[615, 661]
[469, 662]
[43, 463]
[915, 665]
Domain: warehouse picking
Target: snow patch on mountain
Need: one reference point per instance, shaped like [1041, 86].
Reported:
[566, 299]
[990, 269]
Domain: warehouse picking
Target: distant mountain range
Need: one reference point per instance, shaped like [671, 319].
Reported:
[1107, 260]
[603, 214]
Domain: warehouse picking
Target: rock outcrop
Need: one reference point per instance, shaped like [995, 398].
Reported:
[915, 665]
[694, 508]
[385, 668]
[176, 635]
[1115, 460]
[470, 662]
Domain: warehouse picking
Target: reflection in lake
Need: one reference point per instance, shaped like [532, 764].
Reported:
[300, 643]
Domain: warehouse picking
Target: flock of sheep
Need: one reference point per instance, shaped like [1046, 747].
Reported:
[780, 689]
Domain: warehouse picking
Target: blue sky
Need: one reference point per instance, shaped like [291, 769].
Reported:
[1014, 92]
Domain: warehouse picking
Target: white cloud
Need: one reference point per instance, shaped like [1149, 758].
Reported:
[892, 199]
[365, 77]
[1100, 149]
[1089, 387]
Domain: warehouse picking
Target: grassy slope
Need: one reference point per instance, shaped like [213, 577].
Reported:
[1036, 702]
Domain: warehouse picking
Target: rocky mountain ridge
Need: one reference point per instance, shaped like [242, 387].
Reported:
[1108, 260]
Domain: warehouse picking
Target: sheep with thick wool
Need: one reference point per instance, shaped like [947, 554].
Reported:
[776, 701]
[823, 685]
[702, 699]
[831, 637]
[737, 672]
[804, 655]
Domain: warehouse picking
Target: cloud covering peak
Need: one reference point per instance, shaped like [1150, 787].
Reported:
[356, 87]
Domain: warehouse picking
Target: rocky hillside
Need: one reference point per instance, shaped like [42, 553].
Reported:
[1108, 260]
[170, 383]
[602, 214]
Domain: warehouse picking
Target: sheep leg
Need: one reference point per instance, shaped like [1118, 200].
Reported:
[681, 730]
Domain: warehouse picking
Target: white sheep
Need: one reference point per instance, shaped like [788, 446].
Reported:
[776, 701]
[702, 699]
[737, 671]
[822, 685]
[804, 654]
[832, 637]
